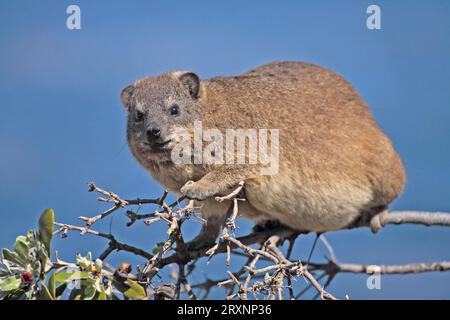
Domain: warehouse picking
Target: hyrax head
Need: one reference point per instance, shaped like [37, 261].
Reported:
[160, 109]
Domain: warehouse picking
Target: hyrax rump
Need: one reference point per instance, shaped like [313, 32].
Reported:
[336, 166]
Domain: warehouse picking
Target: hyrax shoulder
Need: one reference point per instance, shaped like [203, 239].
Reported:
[333, 163]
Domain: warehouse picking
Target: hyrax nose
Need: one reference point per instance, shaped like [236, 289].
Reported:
[153, 133]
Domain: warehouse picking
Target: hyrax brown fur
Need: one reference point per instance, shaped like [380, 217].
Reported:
[336, 167]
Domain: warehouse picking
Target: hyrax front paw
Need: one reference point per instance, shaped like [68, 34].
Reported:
[196, 191]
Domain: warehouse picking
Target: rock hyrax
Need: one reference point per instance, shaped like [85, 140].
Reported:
[336, 167]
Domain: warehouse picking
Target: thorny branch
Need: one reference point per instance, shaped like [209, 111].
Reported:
[274, 280]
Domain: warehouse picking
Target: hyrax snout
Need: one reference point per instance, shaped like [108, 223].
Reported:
[330, 164]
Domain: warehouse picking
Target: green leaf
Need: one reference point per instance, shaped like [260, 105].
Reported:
[85, 262]
[13, 257]
[88, 289]
[9, 283]
[51, 285]
[45, 293]
[46, 264]
[21, 247]
[135, 291]
[102, 294]
[4, 273]
[98, 264]
[69, 275]
[46, 229]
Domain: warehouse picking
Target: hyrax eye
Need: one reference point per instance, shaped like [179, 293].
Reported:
[138, 116]
[174, 110]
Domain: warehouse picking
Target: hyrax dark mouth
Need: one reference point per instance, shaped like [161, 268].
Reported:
[160, 145]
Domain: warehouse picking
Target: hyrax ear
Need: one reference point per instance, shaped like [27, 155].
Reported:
[125, 96]
[191, 82]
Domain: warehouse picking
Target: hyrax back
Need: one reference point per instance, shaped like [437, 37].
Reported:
[335, 164]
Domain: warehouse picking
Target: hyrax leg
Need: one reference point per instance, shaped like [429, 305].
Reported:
[215, 213]
[218, 182]
[209, 232]
[214, 183]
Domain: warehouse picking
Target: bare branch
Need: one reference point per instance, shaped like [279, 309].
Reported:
[113, 243]
[417, 217]
[332, 267]
[272, 280]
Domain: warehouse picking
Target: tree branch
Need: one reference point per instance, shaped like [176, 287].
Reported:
[272, 280]
[417, 217]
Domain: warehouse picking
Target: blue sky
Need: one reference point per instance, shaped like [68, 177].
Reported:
[62, 124]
